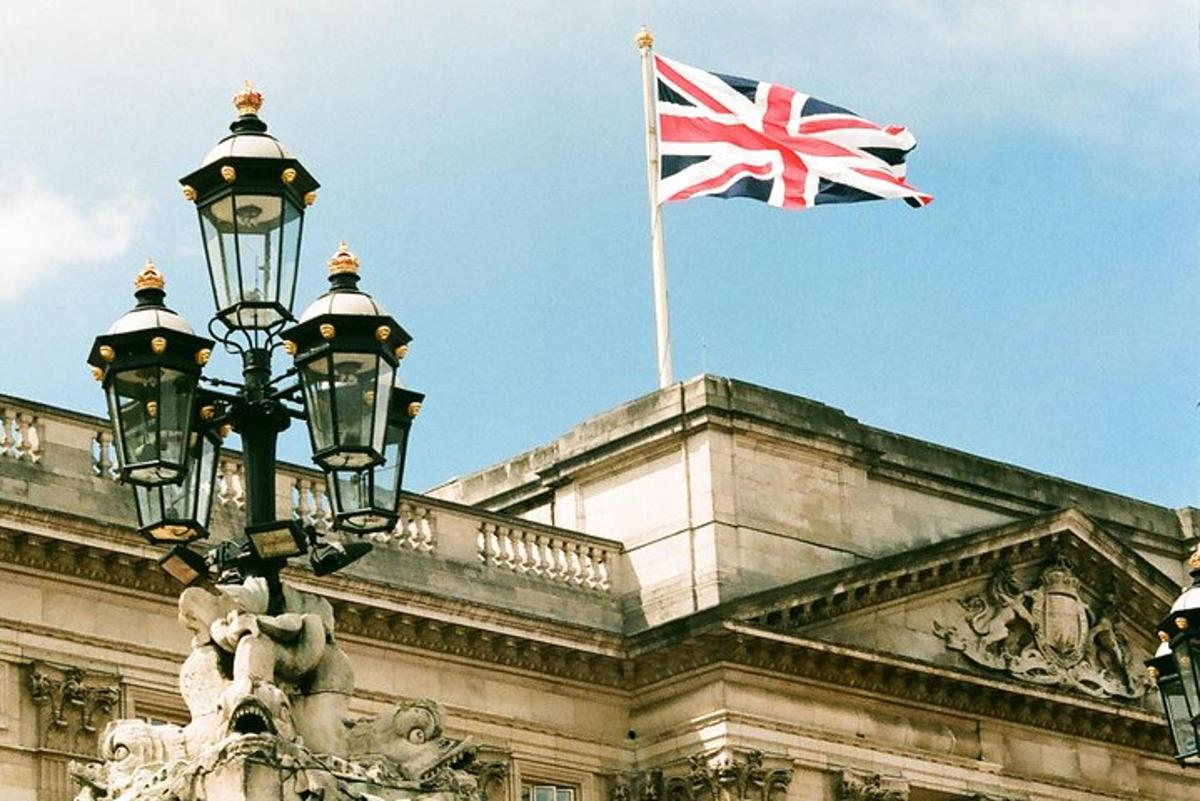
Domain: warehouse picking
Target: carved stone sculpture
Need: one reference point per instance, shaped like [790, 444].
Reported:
[72, 706]
[855, 785]
[268, 696]
[1046, 634]
[725, 775]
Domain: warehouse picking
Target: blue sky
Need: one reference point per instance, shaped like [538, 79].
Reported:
[486, 163]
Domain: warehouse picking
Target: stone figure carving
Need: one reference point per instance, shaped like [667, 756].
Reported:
[72, 705]
[855, 785]
[268, 696]
[1046, 634]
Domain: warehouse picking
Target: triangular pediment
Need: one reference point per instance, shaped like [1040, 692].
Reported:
[1053, 601]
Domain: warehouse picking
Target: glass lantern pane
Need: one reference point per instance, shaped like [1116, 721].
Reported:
[383, 396]
[152, 406]
[289, 255]
[175, 414]
[388, 475]
[356, 398]
[259, 220]
[133, 402]
[318, 398]
[206, 470]
[1183, 733]
[348, 490]
[216, 220]
[149, 505]
[1184, 652]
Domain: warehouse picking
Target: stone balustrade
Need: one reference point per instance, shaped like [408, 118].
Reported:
[20, 433]
[572, 560]
[60, 446]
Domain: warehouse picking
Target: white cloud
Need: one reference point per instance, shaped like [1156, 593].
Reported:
[45, 234]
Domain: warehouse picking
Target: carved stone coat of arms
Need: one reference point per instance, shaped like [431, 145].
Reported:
[1046, 634]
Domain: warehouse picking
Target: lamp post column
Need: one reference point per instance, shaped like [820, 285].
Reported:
[259, 422]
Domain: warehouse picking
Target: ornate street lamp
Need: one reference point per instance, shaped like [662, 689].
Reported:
[250, 194]
[346, 349]
[149, 363]
[368, 500]
[1176, 672]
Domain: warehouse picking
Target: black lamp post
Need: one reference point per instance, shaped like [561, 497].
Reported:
[1175, 669]
[250, 195]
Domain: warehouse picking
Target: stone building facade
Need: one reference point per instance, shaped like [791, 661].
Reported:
[717, 592]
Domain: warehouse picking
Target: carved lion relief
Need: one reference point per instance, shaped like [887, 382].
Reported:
[1046, 634]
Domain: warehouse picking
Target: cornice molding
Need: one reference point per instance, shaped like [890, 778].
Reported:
[672, 653]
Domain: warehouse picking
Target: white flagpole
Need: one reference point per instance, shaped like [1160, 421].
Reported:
[658, 261]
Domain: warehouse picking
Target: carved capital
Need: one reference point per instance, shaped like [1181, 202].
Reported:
[728, 775]
[73, 706]
[644, 785]
[856, 785]
[491, 767]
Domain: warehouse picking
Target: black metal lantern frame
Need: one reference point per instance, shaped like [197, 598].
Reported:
[250, 198]
[1175, 669]
[176, 514]
[368, 500]
[150, 365]
[346, 354]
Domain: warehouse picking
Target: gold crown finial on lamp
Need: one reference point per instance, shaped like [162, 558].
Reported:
[644, 38]
[343, 261]
[249, 100]
[150, 277]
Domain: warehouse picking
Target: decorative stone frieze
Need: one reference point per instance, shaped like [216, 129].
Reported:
[855, 785]
[1046, 634]
[73, 705]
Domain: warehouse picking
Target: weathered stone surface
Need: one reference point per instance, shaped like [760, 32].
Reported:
[269, 696]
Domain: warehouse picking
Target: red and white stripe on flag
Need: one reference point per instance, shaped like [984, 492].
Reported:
[724, 136]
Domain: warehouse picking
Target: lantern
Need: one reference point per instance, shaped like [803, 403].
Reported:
[1175, 669]
[179, 513]
[149, 363]
[368, 500]
[250, 194]
[346, 351]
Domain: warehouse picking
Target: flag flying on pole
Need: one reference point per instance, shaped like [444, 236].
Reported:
[724, 136]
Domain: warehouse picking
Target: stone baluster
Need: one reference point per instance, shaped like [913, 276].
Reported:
[230, 489]
[508, 557]
[322, 510]
[573, 552]
[302, 508]
[30, 446]
[7, 432]
[603, 581]
[103, 462]
[589, 567]
[423, 526]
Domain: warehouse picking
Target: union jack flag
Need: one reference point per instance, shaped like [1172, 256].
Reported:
[724, 136]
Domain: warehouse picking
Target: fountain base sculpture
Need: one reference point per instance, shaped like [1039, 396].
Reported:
[269, 696]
